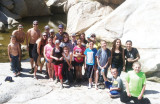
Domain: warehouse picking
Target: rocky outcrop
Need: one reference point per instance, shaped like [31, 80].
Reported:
[137, 21]
[83, 15]
[17, 9]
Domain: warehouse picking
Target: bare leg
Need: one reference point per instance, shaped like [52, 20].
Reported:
[35, 71]
[52, 68]
[32, 62]
[80, 72]
[104, 77]
[77, 72]
[49, 70]
[96, 79]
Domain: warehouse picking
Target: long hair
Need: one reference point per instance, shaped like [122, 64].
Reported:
[65, 34]
[84, 41]
[114, 46]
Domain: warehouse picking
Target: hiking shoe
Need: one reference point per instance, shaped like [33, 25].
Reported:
[89, 87]
[32, 71]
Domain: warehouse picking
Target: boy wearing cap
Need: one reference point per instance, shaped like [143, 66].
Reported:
[32, 35]
[20, 37]
[59, 36]
[51, 33]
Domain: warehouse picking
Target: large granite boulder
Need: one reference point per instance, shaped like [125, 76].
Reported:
[56, 6]
[9, 4]
[83, 15]
[137, 21]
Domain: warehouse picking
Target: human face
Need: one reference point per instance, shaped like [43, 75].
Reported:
[129, 45]
[65, 38]
[61, 30]
[45, 36]
[13, 40]
[136, 68]
[79, 42]
[114, 72]
[82, 36]
[91, 45]
[103, 44]
[35, 25]
[93, 37]
[118, 43]
[66, 50]
[49, 41]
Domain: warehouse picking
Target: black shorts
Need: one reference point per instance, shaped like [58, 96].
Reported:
[90, 71]
[78, 64]
[30, 50]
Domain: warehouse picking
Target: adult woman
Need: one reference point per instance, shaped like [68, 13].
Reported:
[38, 51]
[117, 56]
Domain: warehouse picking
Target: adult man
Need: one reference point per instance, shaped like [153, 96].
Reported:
[32, 35]
[59, 36]
[20, 37]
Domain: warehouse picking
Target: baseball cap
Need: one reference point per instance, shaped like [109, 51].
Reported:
[60, 26]
[51, 31]
[46, 27]
[74, 34]
[57, 41]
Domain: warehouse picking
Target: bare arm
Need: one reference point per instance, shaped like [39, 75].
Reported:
[38, 46]
[127, 89]
[27, 37]
[9, 52]
[123, 60]
[142, 92]
[19, 51]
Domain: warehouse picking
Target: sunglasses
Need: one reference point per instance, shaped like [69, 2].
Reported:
[44, 35]
[35, 24]
[93, 36]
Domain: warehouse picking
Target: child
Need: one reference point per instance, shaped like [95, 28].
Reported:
[114, 84]
[57, 57]
[67, 65]
[131, 55]
[78, 53]
[90, 60]
[117, 56]
[14, 55]
[47, 52]
[103, 56]
[135, 86]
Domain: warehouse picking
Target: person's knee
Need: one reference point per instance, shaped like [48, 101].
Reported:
[124, 98]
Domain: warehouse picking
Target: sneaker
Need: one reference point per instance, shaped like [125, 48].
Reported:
[61, 86]
[32, 71]
[89, 86]
[56, 81]
[66, 82]
[35, 77]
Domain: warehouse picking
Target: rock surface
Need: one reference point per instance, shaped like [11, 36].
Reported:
[83, 15]
[26, 90]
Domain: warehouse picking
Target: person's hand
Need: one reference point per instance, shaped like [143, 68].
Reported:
[27, 48]
[140, 97]
[129, 59]
[56, 58]
[128, 94]
[109, 67]
[61, 58]
[111, 89]
[69, 69]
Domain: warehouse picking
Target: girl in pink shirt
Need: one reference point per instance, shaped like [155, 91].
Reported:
[78, 53]
[47, 52]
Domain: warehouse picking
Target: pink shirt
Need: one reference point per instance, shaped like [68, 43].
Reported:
[48, 49]
[79, 50]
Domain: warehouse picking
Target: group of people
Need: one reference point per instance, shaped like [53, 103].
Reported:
[65, 55]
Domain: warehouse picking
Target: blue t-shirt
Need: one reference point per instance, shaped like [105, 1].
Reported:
[103, 56]
[90, 54]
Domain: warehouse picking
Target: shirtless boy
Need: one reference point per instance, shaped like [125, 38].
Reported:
[32, 35]
[20, 37]
[14, 55]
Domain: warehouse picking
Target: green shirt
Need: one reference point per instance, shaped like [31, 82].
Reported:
[135, 82]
